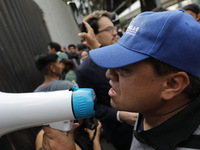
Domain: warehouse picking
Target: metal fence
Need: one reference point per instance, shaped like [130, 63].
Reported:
[23, 34]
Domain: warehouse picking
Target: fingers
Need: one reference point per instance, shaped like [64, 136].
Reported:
[90, 36]
[71, 132]
[89, 32]
[55, 139]
[128, 117]
[88, 27]
[83, 35]
[50, 131]
[99, 124]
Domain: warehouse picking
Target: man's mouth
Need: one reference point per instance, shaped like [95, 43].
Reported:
[112, 92]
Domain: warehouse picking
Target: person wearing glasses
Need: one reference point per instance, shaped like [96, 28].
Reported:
[99, 31]
[104, 32]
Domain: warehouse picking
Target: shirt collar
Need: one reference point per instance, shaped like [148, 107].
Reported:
[171, 132]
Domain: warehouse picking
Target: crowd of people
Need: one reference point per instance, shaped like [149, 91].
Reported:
[146, 82]
[74, 66]
[118, 114]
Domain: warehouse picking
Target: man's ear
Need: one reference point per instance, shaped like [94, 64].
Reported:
[52, 68]
[174, 84]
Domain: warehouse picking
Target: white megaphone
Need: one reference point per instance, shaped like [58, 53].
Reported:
[23, 110]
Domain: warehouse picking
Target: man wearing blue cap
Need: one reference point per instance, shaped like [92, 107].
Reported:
[155, 70]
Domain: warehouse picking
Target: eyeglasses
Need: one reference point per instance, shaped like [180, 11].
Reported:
[109, 29]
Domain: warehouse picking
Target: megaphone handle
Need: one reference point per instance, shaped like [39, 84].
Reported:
[63, 126]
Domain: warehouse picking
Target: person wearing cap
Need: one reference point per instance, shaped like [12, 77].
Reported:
[155, 70]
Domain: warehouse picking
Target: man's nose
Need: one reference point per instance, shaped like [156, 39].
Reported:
[107, 74]
[114, 32]
[111, 74]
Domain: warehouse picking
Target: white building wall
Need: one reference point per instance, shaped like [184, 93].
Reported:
[60, 22]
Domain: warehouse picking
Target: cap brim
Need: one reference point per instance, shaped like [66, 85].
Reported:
[115, 56]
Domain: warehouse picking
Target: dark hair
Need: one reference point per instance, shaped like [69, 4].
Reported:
[92, 19]
[71, 45]
[119, 33]
[69, 65]
[160, 68]
[82, 47]
[55, 45]
[192, 7]
[44, 60]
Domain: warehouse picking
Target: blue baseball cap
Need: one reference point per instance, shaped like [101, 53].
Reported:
[173, 37]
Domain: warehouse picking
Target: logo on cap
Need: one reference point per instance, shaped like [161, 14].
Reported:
[132, 30]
